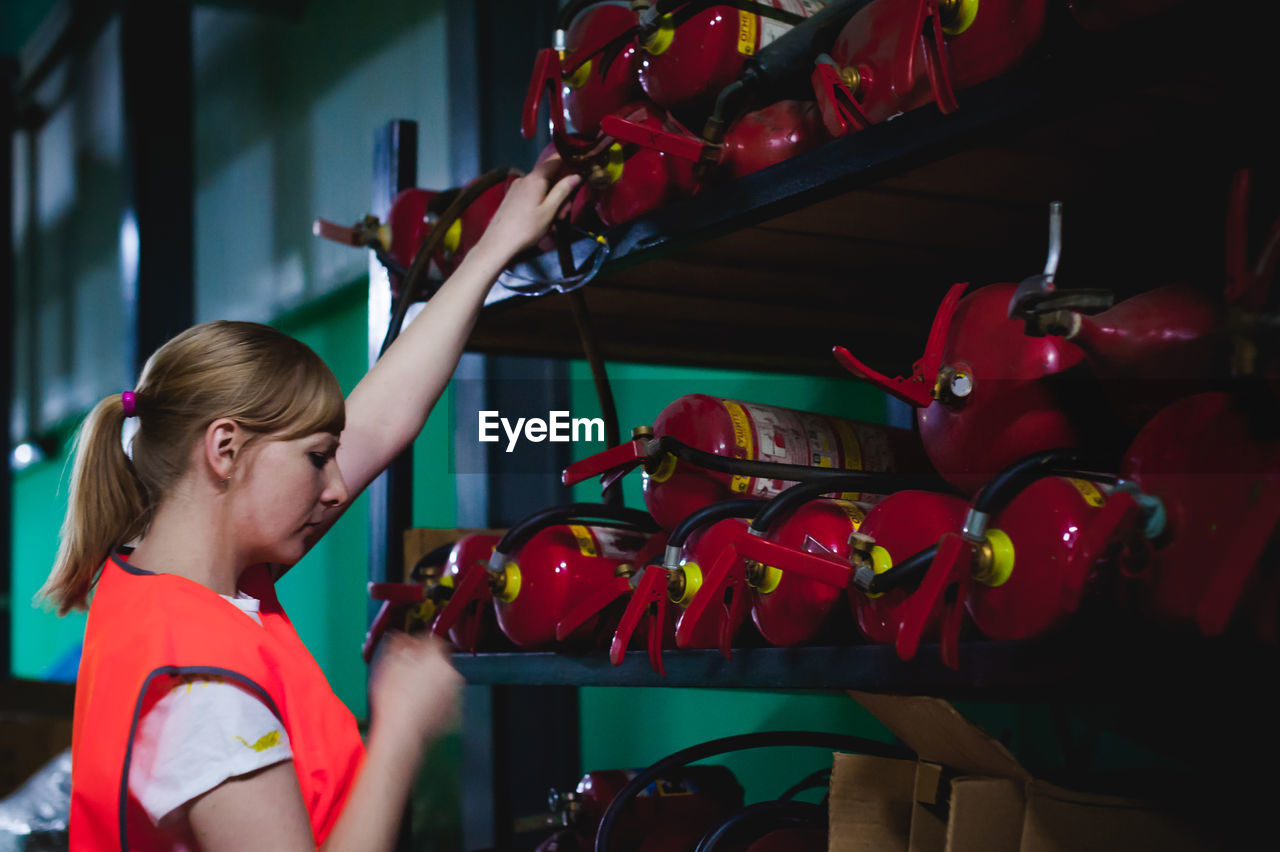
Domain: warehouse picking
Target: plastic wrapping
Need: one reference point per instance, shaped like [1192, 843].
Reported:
[34, 817]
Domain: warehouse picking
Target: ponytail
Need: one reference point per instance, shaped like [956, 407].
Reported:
[107, 507]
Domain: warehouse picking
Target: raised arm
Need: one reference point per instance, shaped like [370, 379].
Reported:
[390, 405]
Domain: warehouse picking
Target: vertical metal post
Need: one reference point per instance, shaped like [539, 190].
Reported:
[395, 167]
[8, 126]
[156, 65]
[517, 741]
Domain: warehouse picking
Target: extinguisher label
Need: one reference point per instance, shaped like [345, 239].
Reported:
[586, 545]
[1089, 492]
[770, 29]
[742, 444]
[787, 437]
[609, 543]
[747, 32]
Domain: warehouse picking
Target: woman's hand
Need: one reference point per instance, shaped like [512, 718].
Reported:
[527, 209]
[413, 689]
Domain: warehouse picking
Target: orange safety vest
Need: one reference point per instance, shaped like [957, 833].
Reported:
[145, 629]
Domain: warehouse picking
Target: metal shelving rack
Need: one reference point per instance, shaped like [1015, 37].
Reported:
[1138, 129]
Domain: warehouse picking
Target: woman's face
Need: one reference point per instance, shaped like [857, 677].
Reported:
[283, 490]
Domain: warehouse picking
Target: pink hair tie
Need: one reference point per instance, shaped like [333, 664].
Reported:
[129, 402]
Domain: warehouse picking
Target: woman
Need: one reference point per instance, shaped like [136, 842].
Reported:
[201, 720]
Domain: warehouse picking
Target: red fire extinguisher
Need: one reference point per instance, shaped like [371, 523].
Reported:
[690, 52]
[448, 224]
[896, 529]
[671, 814]
[896, 56]
[414, 605]
[1021, 563]
[755, 450]
[701, 545]
[549, 565]
[985, 394]
[1213, 466]
[756, 140]
[589, 73]
[625, 181]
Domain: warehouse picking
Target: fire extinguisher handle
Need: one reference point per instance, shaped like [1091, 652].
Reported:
[337, 233]
[840, 109]
[546, 71]
[378, 629]
[397, 592]
[677, 145]
[1222, 589]
[950, 568]
[909, 391]
[590, 606]
[937, 63]
[798, 562]
[472, 585]
[652, 589]
[623, 457]
[725, 572]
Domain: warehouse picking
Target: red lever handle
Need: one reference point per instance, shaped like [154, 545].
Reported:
[937, 63]
[397, 592]
[590, 606]
[840, 109]
[675, 144]
[950, 569]
[726, 573]
[910, 391]
[1223, 588]
[378, 629]
[623, 457]
[472, 587]
[788, 559]
[917, 390]
[337, 233]
[652, 589]
[546, 72]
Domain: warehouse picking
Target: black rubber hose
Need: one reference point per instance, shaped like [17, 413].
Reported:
[781, 506]
[742, 742]
[755, 821]
[787, 62]
[909, 573]
[736, 508]
[525, 529]
[864, 480]
[433, 557]
[1011, 481]
[410, 283]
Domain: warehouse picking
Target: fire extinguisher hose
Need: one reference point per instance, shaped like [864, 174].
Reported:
[909, 573]
[861, 480]
[788, 501]
[737, 508]
[741, 742]
[1011, 481]
[521, 532]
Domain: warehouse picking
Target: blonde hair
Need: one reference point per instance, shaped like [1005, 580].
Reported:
[263, 379]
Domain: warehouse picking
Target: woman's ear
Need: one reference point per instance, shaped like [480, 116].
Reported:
[223, 441]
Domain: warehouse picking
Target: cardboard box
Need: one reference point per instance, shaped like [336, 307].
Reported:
[967, 793]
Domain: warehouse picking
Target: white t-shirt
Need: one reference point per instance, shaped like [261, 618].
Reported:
[202, 732]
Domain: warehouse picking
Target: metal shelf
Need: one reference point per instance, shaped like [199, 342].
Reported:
[1080, 665]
